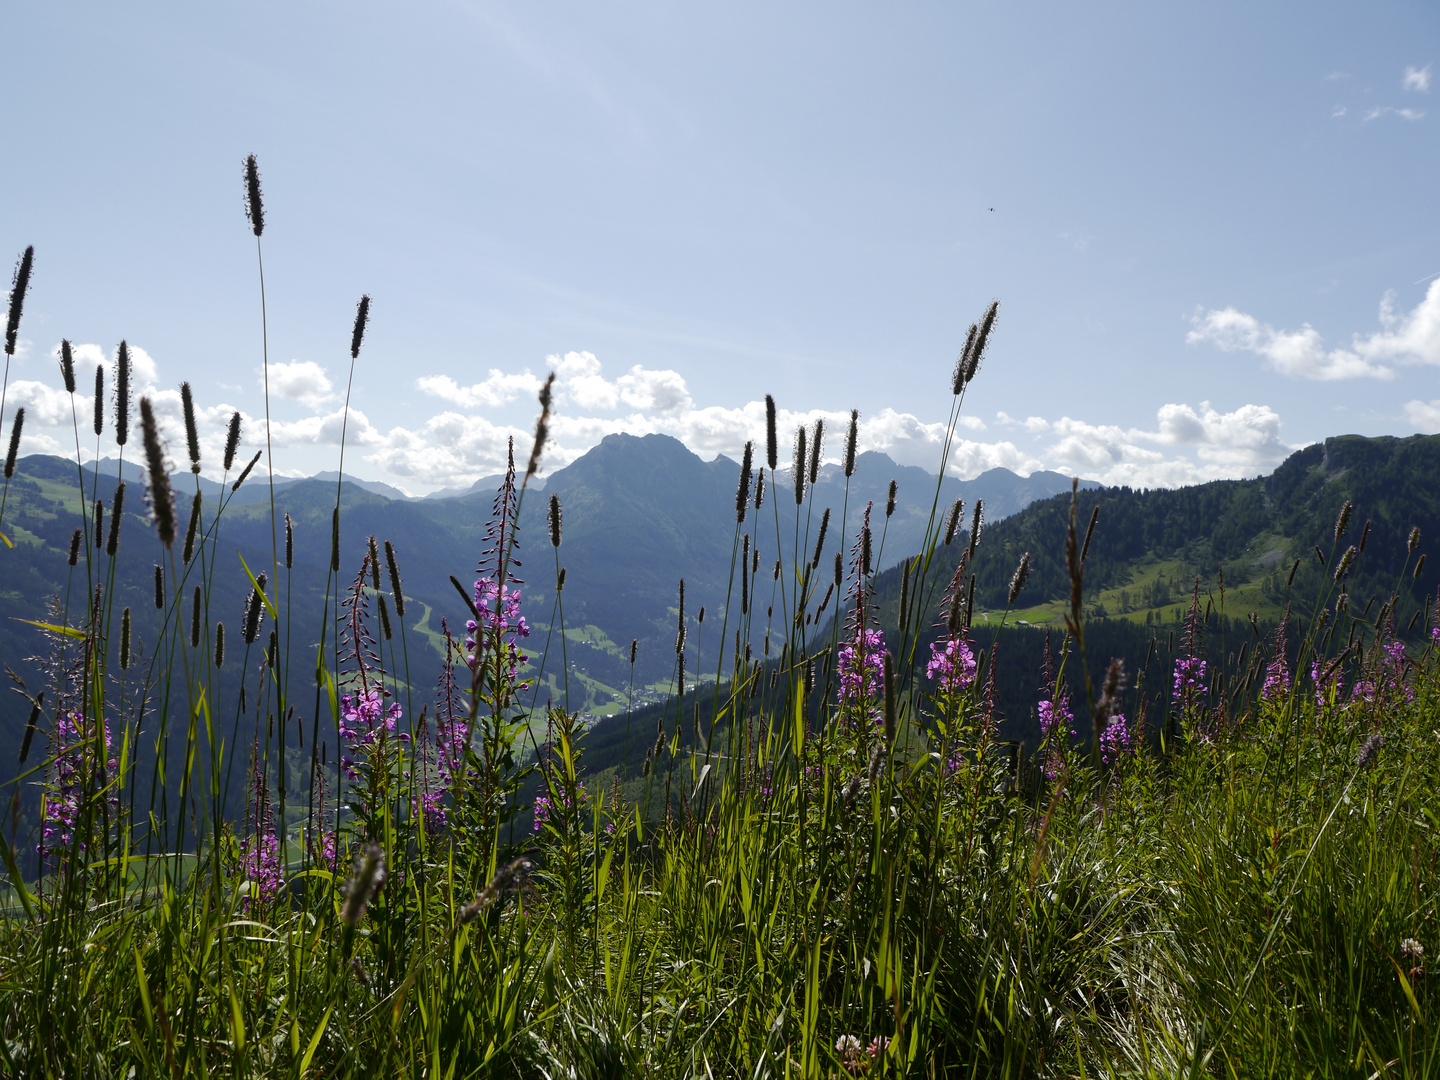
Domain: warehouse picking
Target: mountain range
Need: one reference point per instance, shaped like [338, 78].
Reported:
[639, 514]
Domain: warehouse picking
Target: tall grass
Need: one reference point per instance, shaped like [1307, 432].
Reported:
[845, 872]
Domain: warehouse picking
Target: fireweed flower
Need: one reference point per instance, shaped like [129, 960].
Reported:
[952, 665]
[430, 809]
[558, 806]
[1057, 727]
[1325, 684]
[1116, 740]
[1189, 679]
[1277, 680]
[64, 787]
[363, 716]
[1386, 680]
[861, 662]
[260, 867]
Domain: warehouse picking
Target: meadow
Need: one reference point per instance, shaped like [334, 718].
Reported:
[838, 868]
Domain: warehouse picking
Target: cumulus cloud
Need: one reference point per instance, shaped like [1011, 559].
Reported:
[1406, 338]
[1417, 79]
[1425, 415]
[301, 380]
[495, 390]
[1245, 442]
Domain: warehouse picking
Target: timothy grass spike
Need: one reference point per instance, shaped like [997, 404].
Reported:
[162, 502]
[19, 286]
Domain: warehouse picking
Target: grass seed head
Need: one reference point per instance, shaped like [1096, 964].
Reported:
[67, 365]
[197, 602]
[362, 320]
[852, 439]
[192, 434]
[20, 285]
[125, 639]
[245, 472]
[76, 538]
[393, 566]
[890, 499]
[99, 424]
[122, 395]
[798, 465]
[372, 561]
[542, 428]
[982, 339]
[1017, 581]
[772, 444]
[1345, 563]
[820, 540]
[232, 440]
[364, 883]
[742, 490]
[254, 612]
[1342, 519]
[1413, 540]
[816, 442]
[117, 510]
[162, 502]
[219, 644]
[962, 362]
[553, 518]
[192, 529]
[254, 205]
[159, 587]
[952, 520]
[14, 451]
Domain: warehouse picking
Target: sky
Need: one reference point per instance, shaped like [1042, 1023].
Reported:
[1213, 229]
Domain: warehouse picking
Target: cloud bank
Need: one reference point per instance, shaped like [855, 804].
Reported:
[467, 435]
[1404, 338]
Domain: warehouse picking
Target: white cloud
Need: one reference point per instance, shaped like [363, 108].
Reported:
[301, 380]
[1425, 415]
[497, 389]
[1390, 110]
[1299, 353]
[1406, 338]
[1336, 76]
[1337, 112]
[1245, 442]
[1417, 79]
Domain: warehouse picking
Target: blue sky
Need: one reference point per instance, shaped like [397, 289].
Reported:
[1210, 226]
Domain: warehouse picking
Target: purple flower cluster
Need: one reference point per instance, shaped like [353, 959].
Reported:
[261, 867]
[1189, 679]
[545, 806]
[1277, 679]
[1116, 740]
[862, 665]
[430, 809]
[1387, 682]
[1057, 726]
[1324, 686]
[952, 664]
[363, 716]
[500, 624]
[323, 848]
[62, 790]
